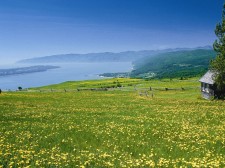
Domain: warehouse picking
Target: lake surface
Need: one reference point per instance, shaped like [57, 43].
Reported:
[67, 72]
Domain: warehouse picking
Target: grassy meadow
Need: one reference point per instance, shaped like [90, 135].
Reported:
[122, 127]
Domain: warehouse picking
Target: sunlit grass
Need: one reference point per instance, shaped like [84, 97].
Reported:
[112, 128]
[94, 83]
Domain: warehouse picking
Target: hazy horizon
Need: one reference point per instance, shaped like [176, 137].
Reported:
[31, 28]
[10, 61]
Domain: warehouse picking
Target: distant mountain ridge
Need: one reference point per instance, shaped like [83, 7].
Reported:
[126, 56]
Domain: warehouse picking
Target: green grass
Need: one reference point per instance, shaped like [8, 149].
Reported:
[116, 128]
[125, 82]
[109, 83]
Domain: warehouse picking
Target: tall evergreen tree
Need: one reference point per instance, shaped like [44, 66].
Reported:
[218, 64]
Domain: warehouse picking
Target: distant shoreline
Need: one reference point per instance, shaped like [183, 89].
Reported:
[26, 70]
[115, 75]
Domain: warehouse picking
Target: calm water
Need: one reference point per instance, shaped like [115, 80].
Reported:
[67, 72]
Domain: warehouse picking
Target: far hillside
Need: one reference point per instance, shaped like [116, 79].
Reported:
[126, 56]
[174, 64]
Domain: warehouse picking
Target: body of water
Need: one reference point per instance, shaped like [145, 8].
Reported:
[66, 72]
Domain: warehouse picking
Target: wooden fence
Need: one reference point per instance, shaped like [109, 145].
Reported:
[141, 90]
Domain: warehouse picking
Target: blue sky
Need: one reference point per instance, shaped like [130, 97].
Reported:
[32, 28]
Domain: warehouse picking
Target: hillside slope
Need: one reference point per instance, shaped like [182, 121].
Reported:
[174, 64]
[118, 128]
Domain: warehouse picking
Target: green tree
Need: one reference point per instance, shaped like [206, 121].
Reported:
[218, 64]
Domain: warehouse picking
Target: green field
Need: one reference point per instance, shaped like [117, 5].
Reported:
[122, 127]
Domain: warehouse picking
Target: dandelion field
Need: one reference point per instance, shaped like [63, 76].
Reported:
[115, 128]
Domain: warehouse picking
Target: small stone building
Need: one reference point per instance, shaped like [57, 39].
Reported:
[208, 87]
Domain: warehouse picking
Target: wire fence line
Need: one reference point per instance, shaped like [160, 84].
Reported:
[141, 90]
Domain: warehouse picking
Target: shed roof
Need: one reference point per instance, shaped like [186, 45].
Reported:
[208, 78]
